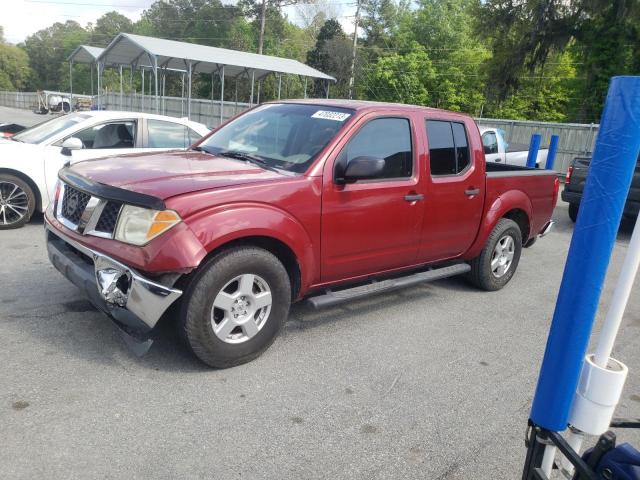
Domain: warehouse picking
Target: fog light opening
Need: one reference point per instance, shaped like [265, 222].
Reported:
[113, 285]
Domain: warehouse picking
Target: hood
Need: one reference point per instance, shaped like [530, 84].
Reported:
[166, 174]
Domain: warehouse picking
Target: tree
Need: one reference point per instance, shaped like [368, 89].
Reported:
[14, 67]
[331, 54]
[108, 26]
[404, 78]
[48, 50]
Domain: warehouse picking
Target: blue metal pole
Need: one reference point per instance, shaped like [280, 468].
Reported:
[610, 174]
[534, 146]
[553, 149]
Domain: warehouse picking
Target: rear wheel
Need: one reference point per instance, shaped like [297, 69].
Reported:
[235, 307]
[17, 202]
[498, 261]
[573, 211]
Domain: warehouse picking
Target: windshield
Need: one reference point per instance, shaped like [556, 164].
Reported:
[48, 129]
[285, 136]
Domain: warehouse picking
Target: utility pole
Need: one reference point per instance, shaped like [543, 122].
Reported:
[262, 22]
[353, 53]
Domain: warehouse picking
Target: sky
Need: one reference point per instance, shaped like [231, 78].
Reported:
[21, 18]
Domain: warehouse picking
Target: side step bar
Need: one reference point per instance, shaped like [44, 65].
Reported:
[334, 298]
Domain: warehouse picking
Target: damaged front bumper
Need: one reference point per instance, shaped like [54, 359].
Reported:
[134, 302]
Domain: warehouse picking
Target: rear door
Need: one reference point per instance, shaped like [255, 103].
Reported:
[166, 135]
[373, 225]
[456, 188]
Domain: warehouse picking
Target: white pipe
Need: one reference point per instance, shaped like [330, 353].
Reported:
[574, 438]
[548, 458]
[619, 301]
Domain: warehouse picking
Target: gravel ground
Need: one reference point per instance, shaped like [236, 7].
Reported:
[432, 382]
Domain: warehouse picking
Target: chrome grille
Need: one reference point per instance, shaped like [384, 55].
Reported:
[74, 202]
[109, 217]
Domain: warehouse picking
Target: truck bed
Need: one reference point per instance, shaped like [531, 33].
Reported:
[536, 183]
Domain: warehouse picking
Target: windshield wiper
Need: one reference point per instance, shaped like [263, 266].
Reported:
[249, 158]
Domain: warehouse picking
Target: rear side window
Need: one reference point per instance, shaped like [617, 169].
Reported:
[490, 143]
[448, 147]
[167, 134]
[387, 138]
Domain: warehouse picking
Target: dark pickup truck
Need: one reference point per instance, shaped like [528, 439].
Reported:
[574, 186]
[321, 200]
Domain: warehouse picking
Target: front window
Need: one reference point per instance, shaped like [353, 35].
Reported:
[108, 135]
[48, 129]
[285, 136]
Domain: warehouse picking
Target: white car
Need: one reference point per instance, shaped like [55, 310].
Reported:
[31, 159]
[496, 149]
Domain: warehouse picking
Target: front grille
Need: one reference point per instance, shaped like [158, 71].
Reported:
[109, 217]
[73, 204]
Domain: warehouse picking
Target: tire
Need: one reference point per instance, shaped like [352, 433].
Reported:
[17, 202]
[212, 332]
[573, 211]
[490, 277]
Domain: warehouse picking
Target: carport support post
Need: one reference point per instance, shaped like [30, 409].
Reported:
[279, 85]
[70, 83]
[221, 93]
[253, 79]
[142, 91]
[189, 71]
[91, 75]
[155, 78]
[534, 146]
[305, 87]
[605, 193]
[553, 149]
[121, 90]
[99, 75]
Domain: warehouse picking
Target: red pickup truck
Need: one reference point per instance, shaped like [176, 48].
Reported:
[320, 200]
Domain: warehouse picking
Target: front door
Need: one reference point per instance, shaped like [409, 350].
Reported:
[456, 190]
[372, 225]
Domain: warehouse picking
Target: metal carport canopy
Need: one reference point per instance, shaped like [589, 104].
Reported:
[85, 54]
[127, 49]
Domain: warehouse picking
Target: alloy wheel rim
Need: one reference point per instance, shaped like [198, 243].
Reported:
[502, 257]
[241, 308]
[14, 203]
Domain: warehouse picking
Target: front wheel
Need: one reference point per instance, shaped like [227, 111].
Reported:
[17, 202]
[498, 261]
[235, 306]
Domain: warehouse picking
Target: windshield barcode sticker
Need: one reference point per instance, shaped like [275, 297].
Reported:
[337, 116]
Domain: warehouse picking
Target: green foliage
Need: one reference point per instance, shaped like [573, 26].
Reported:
[404, 78]
[14, 68]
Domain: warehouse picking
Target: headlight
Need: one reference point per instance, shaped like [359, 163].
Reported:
[138, 226]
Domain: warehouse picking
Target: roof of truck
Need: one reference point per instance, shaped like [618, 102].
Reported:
[365, 105]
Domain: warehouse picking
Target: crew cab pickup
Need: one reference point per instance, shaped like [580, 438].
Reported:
[320, 200]
[498, 150]
[576, 179]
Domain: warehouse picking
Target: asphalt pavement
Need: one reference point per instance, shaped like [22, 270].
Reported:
[431, 382]
[22, 117]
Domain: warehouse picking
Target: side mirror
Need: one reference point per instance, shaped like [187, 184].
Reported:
[364, 168]
[71, 143]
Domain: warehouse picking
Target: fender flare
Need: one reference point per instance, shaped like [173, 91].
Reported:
[508, 201]
[221, 225]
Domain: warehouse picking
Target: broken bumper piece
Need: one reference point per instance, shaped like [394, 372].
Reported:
[134, 302]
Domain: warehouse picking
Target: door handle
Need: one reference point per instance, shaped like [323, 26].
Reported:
[472, 191]
[414, 197]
